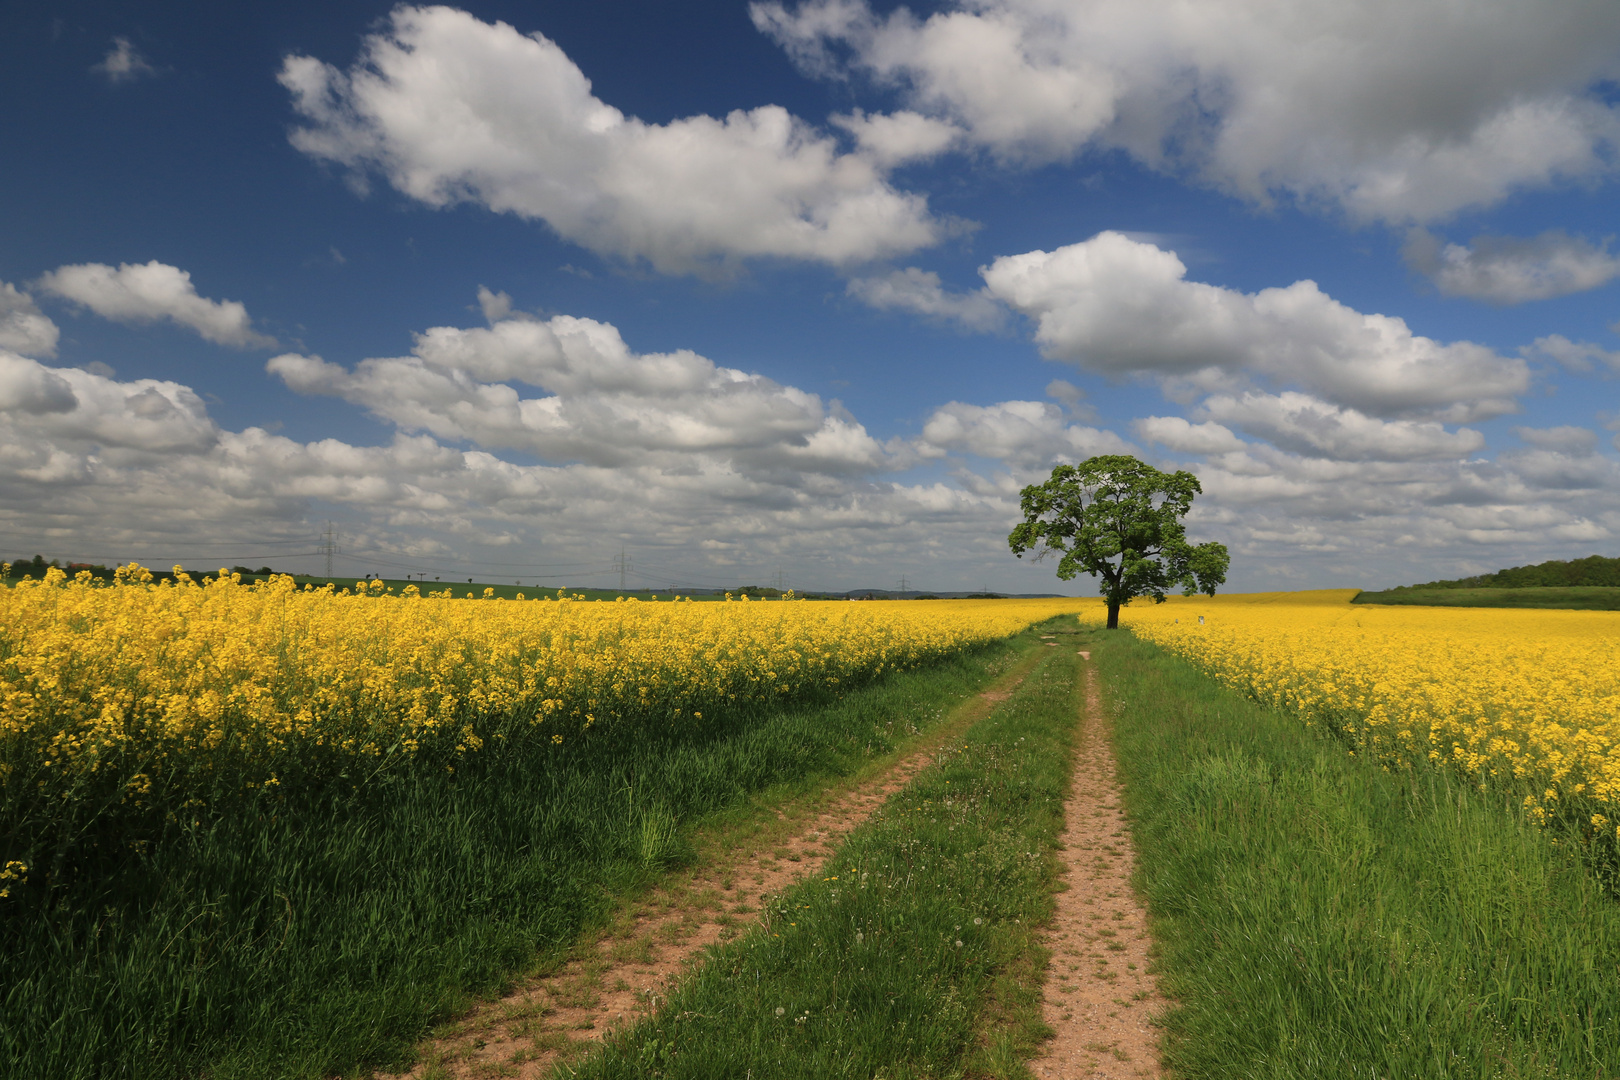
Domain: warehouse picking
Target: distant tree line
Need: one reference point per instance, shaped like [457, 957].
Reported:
[36, 567]
[1555, 573]
[756, 590]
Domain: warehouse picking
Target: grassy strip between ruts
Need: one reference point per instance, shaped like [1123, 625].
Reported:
[329, 937]
[740, 857]
[1319, 917]
[914, 954]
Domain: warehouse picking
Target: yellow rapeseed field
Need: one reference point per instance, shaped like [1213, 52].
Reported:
[1529, 697]
[254, 684]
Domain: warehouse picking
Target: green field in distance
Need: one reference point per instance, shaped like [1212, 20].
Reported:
[1587, 597]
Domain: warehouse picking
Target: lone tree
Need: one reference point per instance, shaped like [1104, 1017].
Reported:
[1120, 519]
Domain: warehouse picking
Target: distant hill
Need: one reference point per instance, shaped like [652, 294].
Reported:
[1577, 597]
[917, 594]
[1556, 573]
[1592, 583]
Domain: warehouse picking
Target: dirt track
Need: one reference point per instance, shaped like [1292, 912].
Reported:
[1099, 997]
[626, 972]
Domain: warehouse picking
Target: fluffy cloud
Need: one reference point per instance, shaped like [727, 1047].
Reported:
[708, 473]
[1511, 270]
[1305, 425]
[893, 139]
[123, 63]
[32, 389]
[1320, 521]
[23, 327]
[1393, 111]
[137, 469]
[1182, 437]
[94, 467]
[452, 109]
[1302, 425]
[605, 405]
[920, 292]
[68, 411]
[1023, 434]
[150, 292]
[1117, 306]
[1564, 439]
[1575, 355]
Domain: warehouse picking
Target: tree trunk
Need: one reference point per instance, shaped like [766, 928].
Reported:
[1113, 613]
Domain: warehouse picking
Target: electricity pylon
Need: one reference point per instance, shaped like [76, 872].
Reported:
[329, 547]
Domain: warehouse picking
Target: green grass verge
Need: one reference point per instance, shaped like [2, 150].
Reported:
[330, 934]
[1318, 917]
[1579, 597]
[914, 954]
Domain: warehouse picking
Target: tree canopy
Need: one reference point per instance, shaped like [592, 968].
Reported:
[1119, 519]
[1555, 573]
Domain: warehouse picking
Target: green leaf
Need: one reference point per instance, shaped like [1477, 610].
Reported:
[1119, 519]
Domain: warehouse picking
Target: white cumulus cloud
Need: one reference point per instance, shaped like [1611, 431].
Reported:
[23, 327]
[1183, 437]
[53, 413]
[29, 388]
[1317, 520]
[1564, 439]
[1022, 434]
[148, 292]
[94, 467]
[603, 403]
[1390, 110]
[1511, 270]
[91, 467]
[1117, 306]
[1305, 425]
[893, 139]
[1576, 355]
[451, 109]
[920, 292]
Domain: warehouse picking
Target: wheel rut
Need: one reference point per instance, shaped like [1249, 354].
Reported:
[626, 972]
[1100, 999]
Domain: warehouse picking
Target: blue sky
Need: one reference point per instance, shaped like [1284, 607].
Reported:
[807, 289]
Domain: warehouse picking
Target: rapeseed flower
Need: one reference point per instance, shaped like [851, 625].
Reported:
[1523, 698]
[160, 692]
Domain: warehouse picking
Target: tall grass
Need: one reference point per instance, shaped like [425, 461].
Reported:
[329, 932]
[914, 953]
[1320, 917]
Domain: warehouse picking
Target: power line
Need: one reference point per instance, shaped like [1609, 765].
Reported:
[663, 573]
[234, 557]
[483, 562]
[169, 544]
[329, 547]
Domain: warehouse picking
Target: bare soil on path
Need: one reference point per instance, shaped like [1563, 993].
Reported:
[629, 968]
[1100, 999]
